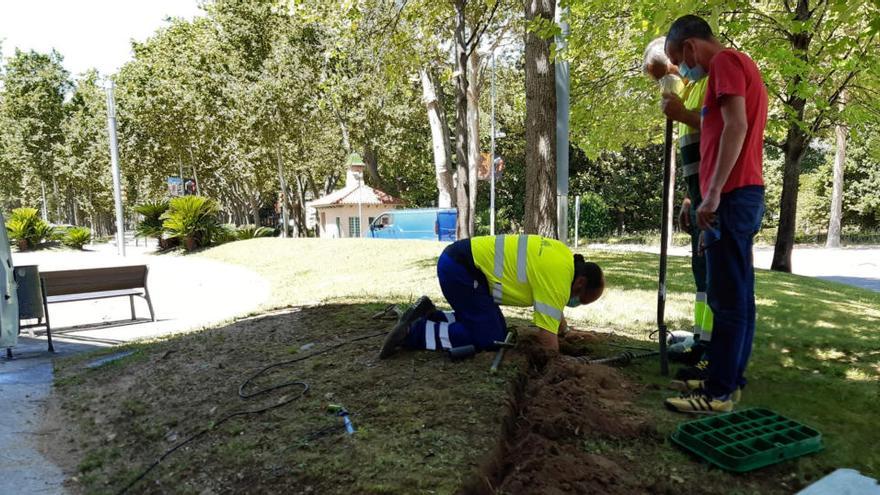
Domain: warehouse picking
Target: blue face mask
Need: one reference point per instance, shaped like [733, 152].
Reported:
[573, 302]
[691, 73]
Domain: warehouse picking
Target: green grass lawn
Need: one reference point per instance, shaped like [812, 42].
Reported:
[426, 424]
[816, 355]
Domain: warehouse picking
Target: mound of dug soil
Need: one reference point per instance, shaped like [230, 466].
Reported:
[555, 411]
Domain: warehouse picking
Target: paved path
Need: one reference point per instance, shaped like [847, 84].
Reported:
[25, 384]
[188, 293]
[858, 266]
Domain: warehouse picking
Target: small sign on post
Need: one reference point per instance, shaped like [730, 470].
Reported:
[181, 187]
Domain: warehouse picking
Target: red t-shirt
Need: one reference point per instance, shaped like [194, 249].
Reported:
[733, 73]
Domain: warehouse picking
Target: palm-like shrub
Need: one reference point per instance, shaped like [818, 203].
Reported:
[27, 229]
[193, 220]
[77, 237]
[46, 232]
[253, 232]
[225, 233]
[151, 225]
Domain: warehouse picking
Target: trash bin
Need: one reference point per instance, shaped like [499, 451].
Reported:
[30, 294]
[8, 294]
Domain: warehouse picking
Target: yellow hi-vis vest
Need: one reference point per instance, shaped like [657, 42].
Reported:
[527, 270]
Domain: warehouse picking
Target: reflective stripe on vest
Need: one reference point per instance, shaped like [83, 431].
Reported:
[497, 292]
[548, 310]
[522, 257]
[499, 257]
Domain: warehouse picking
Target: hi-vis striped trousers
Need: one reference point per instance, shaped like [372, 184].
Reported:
[475, 319]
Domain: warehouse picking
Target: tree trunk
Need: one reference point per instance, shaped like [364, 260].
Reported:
[255, 208]
[796, 142]
[343, 128]
[330, 182]
[192, 162]
[75, 211]
[462, 229]
[301, 219]
[795, 147]
[432, 97]
[285, 216]
[473, 121]
[56, 199]
[372, 164]
[45, 208]
[540, 206]
[834, 224]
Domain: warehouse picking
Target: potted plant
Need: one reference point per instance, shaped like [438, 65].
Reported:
[193, 220]
[151, 224]
[27, 229]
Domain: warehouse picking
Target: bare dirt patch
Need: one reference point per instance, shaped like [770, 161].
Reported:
[556, 409]
[424, 423]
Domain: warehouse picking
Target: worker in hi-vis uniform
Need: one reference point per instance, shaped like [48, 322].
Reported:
[480, 274]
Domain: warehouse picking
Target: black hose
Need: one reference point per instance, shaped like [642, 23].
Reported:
[622, 358]
[245, 395]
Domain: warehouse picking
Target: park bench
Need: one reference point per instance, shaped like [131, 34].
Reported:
[95, 283]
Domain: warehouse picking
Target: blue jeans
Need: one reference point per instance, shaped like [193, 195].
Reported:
[731, 281]
[475, 319]
[698, 260]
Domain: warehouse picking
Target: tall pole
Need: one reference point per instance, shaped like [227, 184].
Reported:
[285, 215]
[360, 201]
[577, 218]
[664, 246]
[114, 164]
[492, 160]
[562, 104]
[45, 208]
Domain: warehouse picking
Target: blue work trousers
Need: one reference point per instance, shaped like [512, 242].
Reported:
[731, 281]
[475, 319]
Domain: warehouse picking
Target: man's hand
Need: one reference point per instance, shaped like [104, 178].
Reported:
[706, 211]
[672, 106]
[684, 216]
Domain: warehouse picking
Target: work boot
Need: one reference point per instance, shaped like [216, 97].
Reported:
[688, 386]
[397, 335]
[699, 402]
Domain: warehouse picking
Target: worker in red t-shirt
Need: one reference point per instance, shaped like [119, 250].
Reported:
[733, 118]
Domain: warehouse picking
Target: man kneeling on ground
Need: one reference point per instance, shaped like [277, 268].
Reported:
[478, 275]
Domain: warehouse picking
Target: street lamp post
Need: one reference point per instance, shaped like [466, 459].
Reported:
[114, 164]
[492, 161]
[562, 106]
[360, 202]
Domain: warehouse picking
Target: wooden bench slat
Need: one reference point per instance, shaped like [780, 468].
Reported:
[86, 296]
[65, 282]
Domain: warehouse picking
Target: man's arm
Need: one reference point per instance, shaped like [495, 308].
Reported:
[733, 111]
[547, 339]
[674, 109]
[563, 328]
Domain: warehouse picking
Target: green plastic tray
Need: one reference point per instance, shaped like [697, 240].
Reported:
[745, 440]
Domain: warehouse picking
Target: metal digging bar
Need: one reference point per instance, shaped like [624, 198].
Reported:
[664, 247]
